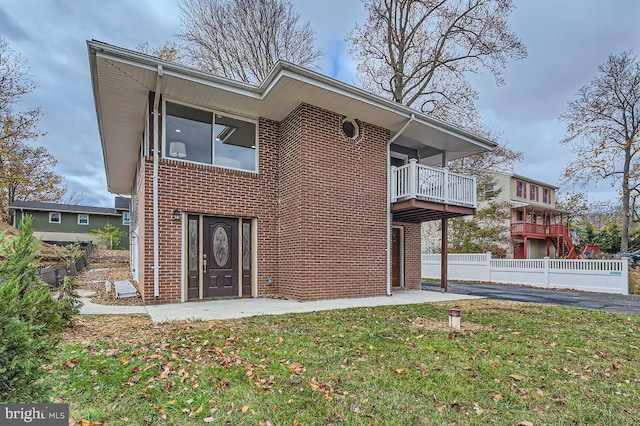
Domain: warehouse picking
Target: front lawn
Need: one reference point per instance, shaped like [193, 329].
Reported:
[400, 365]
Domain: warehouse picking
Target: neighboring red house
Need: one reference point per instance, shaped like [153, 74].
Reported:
[302, 187]
[537, 226]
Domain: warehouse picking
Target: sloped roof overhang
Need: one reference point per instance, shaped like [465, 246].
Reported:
[122, 80]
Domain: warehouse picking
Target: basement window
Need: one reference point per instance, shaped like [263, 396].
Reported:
[350, 128]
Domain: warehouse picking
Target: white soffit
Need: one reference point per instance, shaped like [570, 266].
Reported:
[122, 80]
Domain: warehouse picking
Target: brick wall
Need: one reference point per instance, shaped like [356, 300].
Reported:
[333, 207]
[412, 255]
[203, 189]
[320, 200]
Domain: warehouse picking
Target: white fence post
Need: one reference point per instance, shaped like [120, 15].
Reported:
[625, 274]
[488, 266]
[546, 271]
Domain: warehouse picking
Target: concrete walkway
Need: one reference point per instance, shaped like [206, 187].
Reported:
[240, 308]
[90, 308]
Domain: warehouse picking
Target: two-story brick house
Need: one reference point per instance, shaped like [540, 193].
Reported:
[301, 187]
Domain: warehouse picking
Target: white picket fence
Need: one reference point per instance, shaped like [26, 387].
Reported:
[602, 276]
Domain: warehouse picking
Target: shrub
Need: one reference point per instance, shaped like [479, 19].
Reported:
[29, 320]
[68, 297]
[110, 236]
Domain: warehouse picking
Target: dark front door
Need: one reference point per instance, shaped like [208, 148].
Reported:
[395, 257]
[220, 257]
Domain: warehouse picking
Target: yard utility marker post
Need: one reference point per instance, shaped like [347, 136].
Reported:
[454, 318]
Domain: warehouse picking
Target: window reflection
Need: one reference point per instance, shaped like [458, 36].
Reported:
[189, 134]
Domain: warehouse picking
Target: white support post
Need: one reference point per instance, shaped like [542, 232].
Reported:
[413, 178]
[445, 189]
[474, 191]
[393, 190]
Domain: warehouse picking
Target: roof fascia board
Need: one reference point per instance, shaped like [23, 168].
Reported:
[280, 70]
[536, 182]
[53, 209]
[336, 86]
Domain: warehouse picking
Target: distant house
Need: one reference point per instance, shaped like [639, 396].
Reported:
[536, 224]
[65, 223]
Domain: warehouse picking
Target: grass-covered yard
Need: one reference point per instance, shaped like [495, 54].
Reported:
[402, 365]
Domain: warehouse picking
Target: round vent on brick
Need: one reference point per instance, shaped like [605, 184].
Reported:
[350, 128]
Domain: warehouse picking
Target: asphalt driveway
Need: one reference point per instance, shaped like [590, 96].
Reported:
[575, 299]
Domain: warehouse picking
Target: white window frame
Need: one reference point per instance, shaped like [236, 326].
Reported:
[59, 217]
[128, 221]
[399, 156]
[213, 127]
[83, 215]
[522, 194]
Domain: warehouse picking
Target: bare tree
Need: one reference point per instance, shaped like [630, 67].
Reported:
[15, 84]
[419, 52]
[26, 172]
[170, 51]
[603, 130]
[243, 39]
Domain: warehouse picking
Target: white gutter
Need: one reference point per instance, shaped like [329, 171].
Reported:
[411, 118]
[156, 159]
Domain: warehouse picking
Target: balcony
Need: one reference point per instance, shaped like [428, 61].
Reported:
[533, 230]
[420, 193]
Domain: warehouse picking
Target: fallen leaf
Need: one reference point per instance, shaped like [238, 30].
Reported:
[244, 409]
[515, 377]
[525, 423]
[477, 408]
[296, 368]
[208, 419]
[497, 397]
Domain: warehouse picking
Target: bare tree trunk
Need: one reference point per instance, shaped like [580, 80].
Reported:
[624, 234]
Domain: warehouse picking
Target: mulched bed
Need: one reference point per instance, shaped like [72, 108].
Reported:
[109, 257]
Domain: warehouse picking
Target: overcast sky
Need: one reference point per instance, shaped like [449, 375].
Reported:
[567, 40]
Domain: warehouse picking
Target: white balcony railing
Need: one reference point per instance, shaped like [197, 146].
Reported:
[415, 180]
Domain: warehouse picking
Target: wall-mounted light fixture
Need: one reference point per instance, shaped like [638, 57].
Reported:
[176, 214]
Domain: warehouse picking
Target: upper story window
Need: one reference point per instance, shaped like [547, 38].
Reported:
[533, 193]
[520, 189]
[83, 219]
[126, 218]
[55, 217]
[201, 136]
[546, 196]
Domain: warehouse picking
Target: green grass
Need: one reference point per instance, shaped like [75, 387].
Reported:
[401, 365]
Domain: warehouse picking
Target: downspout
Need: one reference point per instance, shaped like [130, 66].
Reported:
[391, 140]
[156, 159]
